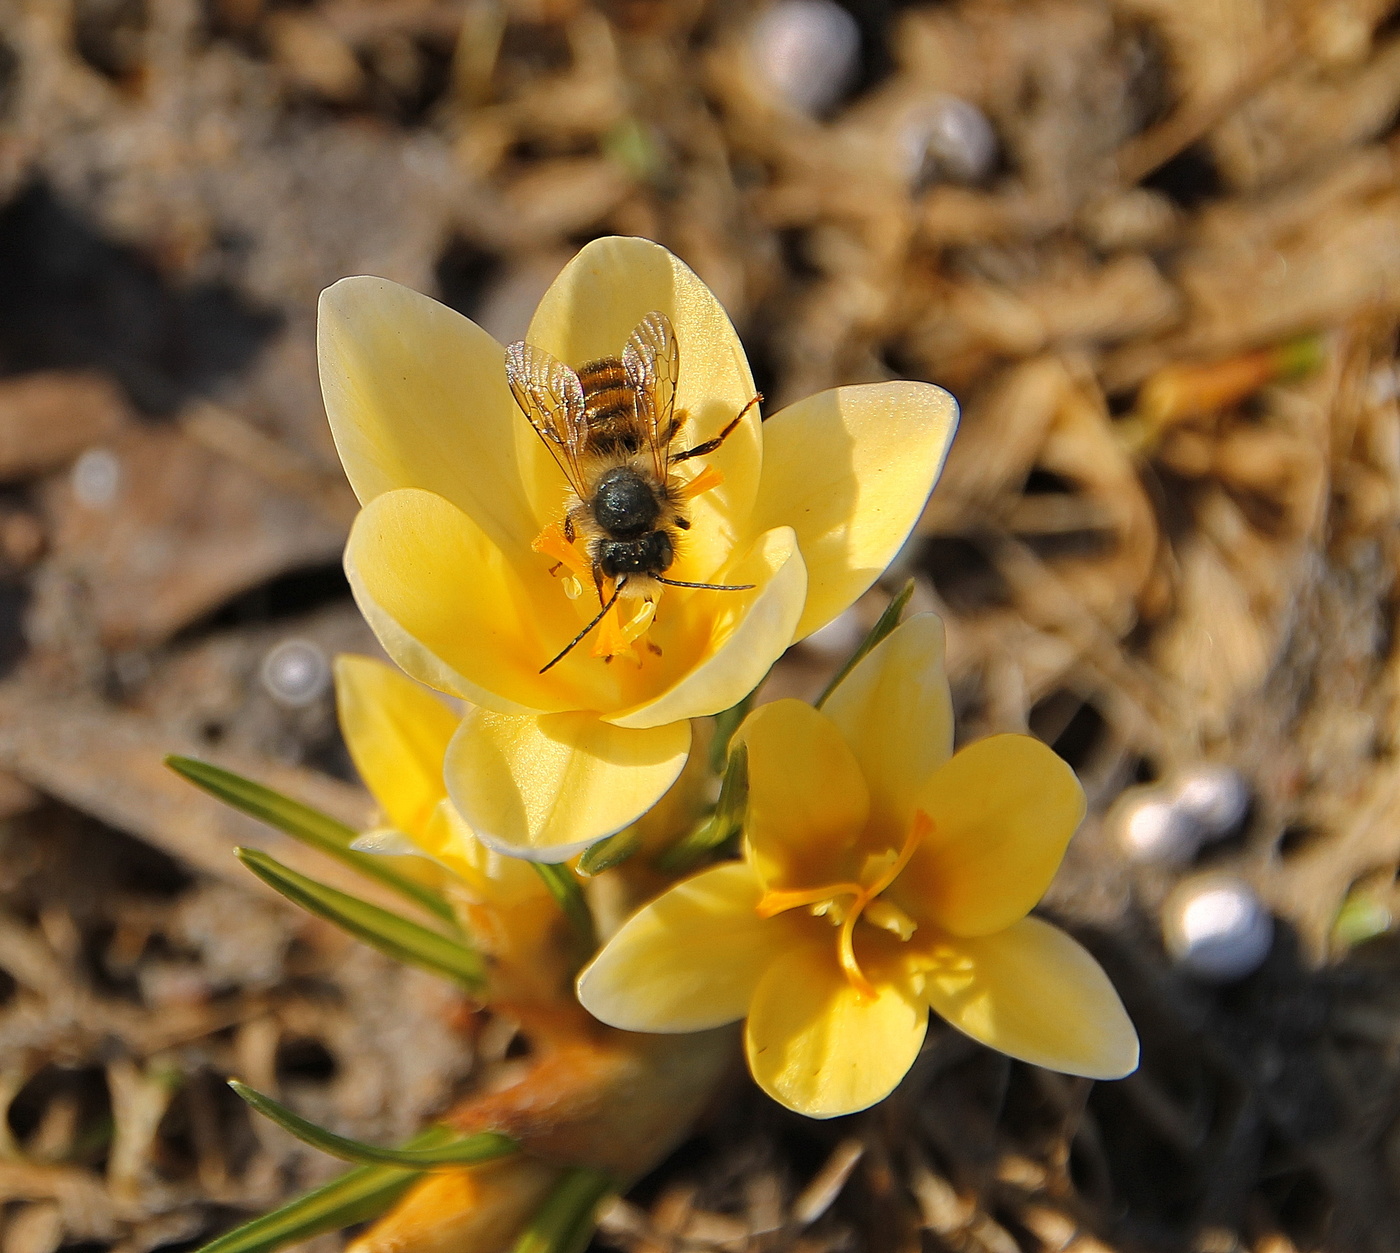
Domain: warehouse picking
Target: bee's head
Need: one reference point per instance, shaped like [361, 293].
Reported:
[647, 554]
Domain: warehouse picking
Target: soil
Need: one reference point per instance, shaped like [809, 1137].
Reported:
[1152, 246]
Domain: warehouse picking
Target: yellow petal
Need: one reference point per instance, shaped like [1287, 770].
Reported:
[454, 612]
[688, 961]
[397, 734]
[491, 877]
[417, 397]
[1003, 811]
[808, 803]
[736, 636]
[896, 713]
[546, 788]
[850, 470]
[1033, 993]
[591, 309]
[816, 1047]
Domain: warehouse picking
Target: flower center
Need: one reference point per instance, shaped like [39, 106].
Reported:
[626, 623]
[845, 903]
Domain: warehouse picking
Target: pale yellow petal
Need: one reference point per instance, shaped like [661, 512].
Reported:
[456, 613]
[591, 309]
[397, 734]
[814, 1046]
[733, 637]
[1035, 994]
[1003, 812]
[492, 878]
[417, 397]
[546, 788]
[896, 713]
[688, 961]
[850, 469]
[808, 802]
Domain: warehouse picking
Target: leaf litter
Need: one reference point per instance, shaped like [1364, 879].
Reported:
[1154, 248]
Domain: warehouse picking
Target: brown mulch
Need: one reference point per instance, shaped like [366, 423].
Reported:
[1155, 545]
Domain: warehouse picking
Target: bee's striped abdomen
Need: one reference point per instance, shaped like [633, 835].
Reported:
[611, 407]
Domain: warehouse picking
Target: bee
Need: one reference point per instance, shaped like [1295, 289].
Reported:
[610, 426]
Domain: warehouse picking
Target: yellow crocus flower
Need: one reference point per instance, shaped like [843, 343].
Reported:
[461, 565]
[882, 875]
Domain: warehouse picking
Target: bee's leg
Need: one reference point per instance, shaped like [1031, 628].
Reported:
[710, 445]
[569, 527]
[598, 581]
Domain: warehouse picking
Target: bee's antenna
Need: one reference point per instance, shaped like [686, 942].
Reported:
[711, 587]
[573, 643]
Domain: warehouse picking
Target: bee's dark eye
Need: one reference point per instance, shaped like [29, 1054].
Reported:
[625, 504]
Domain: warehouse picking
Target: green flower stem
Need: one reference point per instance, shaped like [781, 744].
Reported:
[566, 1221]
[722, 826]
[564, 887]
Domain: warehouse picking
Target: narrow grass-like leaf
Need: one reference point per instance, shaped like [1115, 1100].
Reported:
[727, 721]
[458, 1152]
[566, 1221]
[354, 1197]
[391, 934]
[562, 885]
[886, 623]
[611, 852]
[721, 826]
[302, 822]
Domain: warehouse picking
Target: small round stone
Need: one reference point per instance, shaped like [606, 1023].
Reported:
[296, 673]
[808, 51]
[1217, 928]
[1215, 796]
[948, 140]
[96, 478]
[1152, 828]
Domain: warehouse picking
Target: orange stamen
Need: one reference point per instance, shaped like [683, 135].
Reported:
[617, 635]
[776, 902]
[551, 542]
[707, 479]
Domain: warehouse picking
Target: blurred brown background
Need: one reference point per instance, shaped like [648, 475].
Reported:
[1153, 246]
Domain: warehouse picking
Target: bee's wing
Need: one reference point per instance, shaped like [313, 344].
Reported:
[551, 397]
[652, 359]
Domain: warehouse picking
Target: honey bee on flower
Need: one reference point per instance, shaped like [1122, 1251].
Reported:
[462, 563]
[883, 875]
[610, 426]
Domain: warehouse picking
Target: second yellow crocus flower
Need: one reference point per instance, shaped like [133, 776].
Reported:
[456, 558]
[883, 875]
[397, 734]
